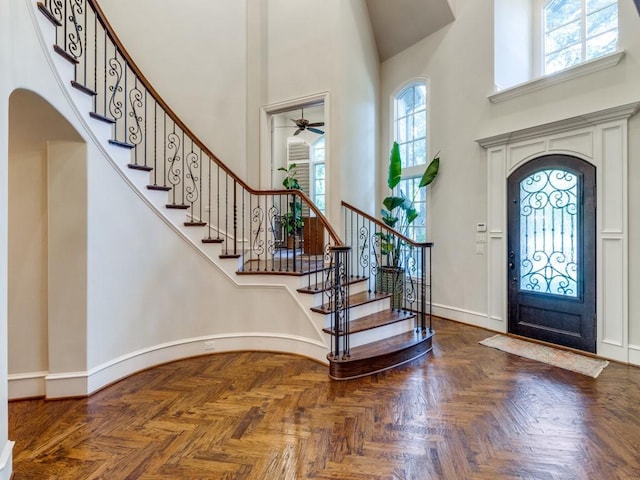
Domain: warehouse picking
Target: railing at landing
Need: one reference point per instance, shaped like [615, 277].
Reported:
[392, 263]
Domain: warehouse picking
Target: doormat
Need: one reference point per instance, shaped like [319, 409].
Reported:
[552, 356]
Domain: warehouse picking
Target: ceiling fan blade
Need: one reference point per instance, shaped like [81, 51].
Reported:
[297, 131]
[315, 130]
[317, 124]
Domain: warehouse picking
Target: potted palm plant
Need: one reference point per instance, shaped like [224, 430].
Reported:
[399, 213]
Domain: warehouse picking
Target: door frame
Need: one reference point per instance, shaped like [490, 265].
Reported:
[600, 138]
[266, 140]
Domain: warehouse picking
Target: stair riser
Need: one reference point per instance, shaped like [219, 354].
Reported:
[381, 333]
[317, 298]
[364, 310]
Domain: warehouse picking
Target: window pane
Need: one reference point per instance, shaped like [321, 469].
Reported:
[401, 134]
[405, 102]
[410, 158]
[548, 226]
[420, 125]
[420, 97]
[563, 37]
[602, 21]
[420, 152]
[602, 44]
[561, 12]
[563, 59]
[593, 5]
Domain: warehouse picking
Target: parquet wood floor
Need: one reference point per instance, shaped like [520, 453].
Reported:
[463, 411]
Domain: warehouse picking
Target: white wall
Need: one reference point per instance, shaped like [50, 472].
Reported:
[194, 54]
[458, 60]
[328, 47]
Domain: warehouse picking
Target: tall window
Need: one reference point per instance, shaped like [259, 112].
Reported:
[318, 194]
[578, 30]
[410, 131]
[411, 124]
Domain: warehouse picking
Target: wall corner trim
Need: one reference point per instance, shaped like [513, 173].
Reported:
[6, 461]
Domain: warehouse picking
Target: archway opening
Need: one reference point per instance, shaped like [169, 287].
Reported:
[46, 240]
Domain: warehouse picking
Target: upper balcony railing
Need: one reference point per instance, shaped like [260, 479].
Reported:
[264, 228]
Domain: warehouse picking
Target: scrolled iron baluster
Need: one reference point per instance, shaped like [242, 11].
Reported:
[136, 136]
[410, 283]
[115, 70]
[363, 257]
[174, 174]
[191, 190]
[257, 221]
[272, 214]
[74, 38]
[55, 7]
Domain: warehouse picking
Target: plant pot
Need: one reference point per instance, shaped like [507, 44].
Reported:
[391, 280]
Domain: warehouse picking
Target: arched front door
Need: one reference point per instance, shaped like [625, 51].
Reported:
[551, 251]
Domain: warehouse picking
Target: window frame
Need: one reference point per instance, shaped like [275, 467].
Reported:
[414, 171]
[539, 51]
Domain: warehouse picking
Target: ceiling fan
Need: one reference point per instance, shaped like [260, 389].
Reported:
[303, 124]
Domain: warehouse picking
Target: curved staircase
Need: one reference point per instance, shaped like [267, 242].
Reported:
[366, 329]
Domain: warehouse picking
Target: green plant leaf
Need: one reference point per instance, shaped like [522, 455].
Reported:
[393, 202]
[395, 167]
[389, 219]
[412, 214]
[431, 172]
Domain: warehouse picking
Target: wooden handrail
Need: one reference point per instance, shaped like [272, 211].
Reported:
[174, 117]
[382, 225]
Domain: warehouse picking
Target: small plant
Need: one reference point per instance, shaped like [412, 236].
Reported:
[399, 211]
[292, 220]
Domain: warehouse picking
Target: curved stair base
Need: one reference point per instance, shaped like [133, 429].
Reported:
[382, 355]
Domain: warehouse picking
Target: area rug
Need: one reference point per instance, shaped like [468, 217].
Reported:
[553, 356]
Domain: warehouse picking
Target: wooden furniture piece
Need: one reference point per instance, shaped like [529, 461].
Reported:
[313, 236]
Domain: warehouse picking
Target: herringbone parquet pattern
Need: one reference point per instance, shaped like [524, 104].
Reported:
[462, 412]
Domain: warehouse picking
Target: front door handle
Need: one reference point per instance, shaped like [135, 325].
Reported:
[512, 264]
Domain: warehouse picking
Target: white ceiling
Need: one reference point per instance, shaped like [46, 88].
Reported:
[398, 24]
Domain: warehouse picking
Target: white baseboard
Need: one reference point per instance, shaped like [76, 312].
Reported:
[27, 385]
[6, 461]
[469, 317]
[73, 384]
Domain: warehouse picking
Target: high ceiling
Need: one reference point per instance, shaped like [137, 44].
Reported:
[398, 24]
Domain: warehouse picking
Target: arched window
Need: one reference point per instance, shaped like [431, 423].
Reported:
[410, 121]
[576, 31]
[410, 106]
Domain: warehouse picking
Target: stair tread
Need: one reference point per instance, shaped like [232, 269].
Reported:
[355, 300]
[375, 320]
[380, 356]
[320, 287]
